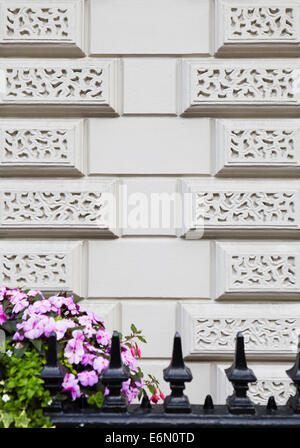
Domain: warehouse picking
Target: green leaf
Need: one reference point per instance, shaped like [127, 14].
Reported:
[22, 421]
[37, 343]
[7, 418]
[133, 328]
[10, 326]
[77, 299]
[140, 338]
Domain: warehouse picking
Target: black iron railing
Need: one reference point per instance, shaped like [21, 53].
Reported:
[238, 412]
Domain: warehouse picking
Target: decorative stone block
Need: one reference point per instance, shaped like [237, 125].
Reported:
[257, 27]
[63, 86]
[224, 208]
[271, 380]
[236, 87]
[37, 147]
[257, 269]
[65, 207]
[50, 266]
[42, 27]
[254, 147]
[270, 331]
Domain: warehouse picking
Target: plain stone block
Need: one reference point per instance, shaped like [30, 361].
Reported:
[149, 145]
[150, 86]
[149, 27]
[149, 267]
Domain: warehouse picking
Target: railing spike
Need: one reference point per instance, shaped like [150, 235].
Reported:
[177, 374]
[240, 375]
[53, 373]
[294, 374]
[208, 404]
[271, 405]
[145, 404]
[113, 377]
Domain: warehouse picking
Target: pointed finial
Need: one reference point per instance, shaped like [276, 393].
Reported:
[240, 375]
[271, 405]
[294, 374]
[145, 404]
[113, 377]
[53, 373]
[177, 374]
[208, 404]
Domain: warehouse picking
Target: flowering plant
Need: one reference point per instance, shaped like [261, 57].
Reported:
[28, 318]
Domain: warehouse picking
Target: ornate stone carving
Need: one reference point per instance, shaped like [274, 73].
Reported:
[55, 84]
[90, 84]
[263, 271]
[217, 85]
[37, 147]
[260, 23]
[31, 22]
[28, 27]
[261, 334]
[40, 269]
[281, 389]
[249, 208]
[270, 330]
[257, 26]
[36, 264]
[244, 84]
[89, 207]
[211, 207]
[51, 208]
[251, 145]
[272, 381]
[257, 269]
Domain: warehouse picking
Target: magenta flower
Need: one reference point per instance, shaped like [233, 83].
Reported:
[61, 326]
[70, 384]
[19, 306]
[88, 359]
[100, 364]
[74, 350]
[3, 317]
[103, 337]
[88, 377]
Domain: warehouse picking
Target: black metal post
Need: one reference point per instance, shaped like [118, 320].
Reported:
[113, 377]
[294, 374]
[239, 375]
[53, 374]
[177, 374]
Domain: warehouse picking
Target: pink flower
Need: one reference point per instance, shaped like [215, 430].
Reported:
[132, 349]
[3, 317]
[100, 364]
[88, 377]
[18, 336]
[103, 337]
[2, 292]
[128, 359]
[71, 306]
[74, 350]
[162, 395]
[61, 326]
[34, 293]
[138, 351]
[19, 306]
[154, 399]
[88, 359]
[70, 384]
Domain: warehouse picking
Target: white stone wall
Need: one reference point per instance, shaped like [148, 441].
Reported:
[114, 111]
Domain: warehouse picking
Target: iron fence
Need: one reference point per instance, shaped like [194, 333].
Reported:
[177, 411]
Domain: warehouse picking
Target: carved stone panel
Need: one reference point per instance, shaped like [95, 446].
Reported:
[58, 207]
[270, 331]
[257, 27]
[225, 208]
[239, 86]
[42, 27]
[39, 147]
[88, 86]
[245, 270]
[54, 267]
[257, 147]
[272, 381]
